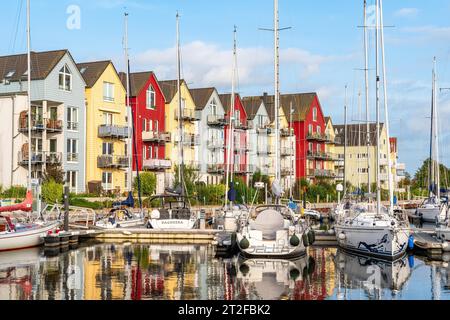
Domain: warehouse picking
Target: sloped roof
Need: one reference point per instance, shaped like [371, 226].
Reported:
[42, 63]
[354, 131]
[170, 88]
[92, 71]
[137, 81]
[226, 100]
[201, 96]
[251, 106]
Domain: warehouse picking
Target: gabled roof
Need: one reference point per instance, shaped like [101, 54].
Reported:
[226, 100]
[201, 96]
[42, 63]
[138, 80]
[355, 131]
[170, 88]
[92, 71]
[251, 106]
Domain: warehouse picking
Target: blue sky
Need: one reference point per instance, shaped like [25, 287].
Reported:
[320, 53]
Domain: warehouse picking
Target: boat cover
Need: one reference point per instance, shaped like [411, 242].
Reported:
[268, 222]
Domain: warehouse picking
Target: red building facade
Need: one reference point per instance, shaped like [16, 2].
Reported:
[148, 103]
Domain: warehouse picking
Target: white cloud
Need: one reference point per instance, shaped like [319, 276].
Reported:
[407, 12]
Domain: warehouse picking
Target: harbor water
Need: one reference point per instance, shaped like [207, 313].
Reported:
[131, 271]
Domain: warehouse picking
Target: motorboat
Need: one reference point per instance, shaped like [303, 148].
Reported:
[432, 209]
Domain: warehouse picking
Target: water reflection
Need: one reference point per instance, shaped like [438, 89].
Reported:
[150, 271]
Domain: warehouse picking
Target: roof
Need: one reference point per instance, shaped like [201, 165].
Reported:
[92, 71]
[42, 63]
[170, 88]
[251, 106]
[201, 96]
[137, 80]
[226, 100]
[301, 103]
[353, 131]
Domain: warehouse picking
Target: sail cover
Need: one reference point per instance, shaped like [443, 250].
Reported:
[268, 222]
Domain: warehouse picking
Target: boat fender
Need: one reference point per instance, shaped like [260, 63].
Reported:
[341, 236]
[244, 269]
[311, 237]
[411, 242]
[244, 243]
[305, 240]
[445, 247]
[294, 241]
[411, 261]
[294, 274]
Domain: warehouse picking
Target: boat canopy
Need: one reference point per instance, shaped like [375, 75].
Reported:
[268, 222]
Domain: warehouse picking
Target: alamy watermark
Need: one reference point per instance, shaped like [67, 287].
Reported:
[74, 17]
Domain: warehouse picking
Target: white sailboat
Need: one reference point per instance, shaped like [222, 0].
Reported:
[370, 228]
[432, 208]
[24, 235]
[273, 230]
[174, 211]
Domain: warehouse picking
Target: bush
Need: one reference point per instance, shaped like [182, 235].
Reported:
[52, 192]
[83, 203]
[148, 183]
[15, 192]
[211, 194]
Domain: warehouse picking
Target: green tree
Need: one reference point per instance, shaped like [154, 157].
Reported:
[52, 191]
[148, 183]
[191, 177]
[55, 173]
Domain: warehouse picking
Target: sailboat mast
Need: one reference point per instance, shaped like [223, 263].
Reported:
[366, 80]
[358, 158]
[435, 163]
[386, 113]
[378, 106]
[129, 112]
[29, 92]
[277, 92]
[180, 112]
[345, 141]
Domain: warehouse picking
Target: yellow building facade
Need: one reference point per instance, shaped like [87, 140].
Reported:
[106, 127]
[189, 117]
[330, 146]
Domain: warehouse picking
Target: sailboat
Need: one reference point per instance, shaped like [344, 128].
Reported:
[274, 231]
[175, 211]
[24, 235]
[433, 209]
[369, 228]
[121, 216]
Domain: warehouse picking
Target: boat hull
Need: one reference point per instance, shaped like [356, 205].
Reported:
[172, 224]
[429, 214]
[25, 239]
[121, 224]
[379, 242]
[443, 233]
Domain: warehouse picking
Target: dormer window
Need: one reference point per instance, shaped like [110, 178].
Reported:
[65, 79]
[213, 106]
[151, 98]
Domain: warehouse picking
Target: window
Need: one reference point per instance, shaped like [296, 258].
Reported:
[72, 180]
[108, 91]
[65, 79]
[53, 111]
[53, 145]
[318, 149]
[72, 150]
[151, 98]
[310, 129]
[107, 181]
[315, 114]
[150, 152]
[213, 107]
[108, 119]
[156, 126]
[310, 147]
[72, 118]
[319, 130]
[144, 153]
[144, 124]
[107, 148]
[156, 152]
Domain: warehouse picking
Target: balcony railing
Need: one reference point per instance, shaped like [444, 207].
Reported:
[285, 171]
[154, 136]
[332, 140]
[215, 144]
[316, 136]
[287, 132]
[287, 151]
[50, 158]
[244, 168]
[112, 161]
[321, 156]
[189, 140]
[188, 115]
[156, 164]
[243, 125]
[216, 120]
[72, 157]
[53, 125]
[217, 168]
[321, 173]
[265, 150]
[339, 163]
[113, 131]
[245, 147]
[36, 125]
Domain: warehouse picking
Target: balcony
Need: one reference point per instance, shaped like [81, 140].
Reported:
[321, 173]
[158, 137]
[188, 115]
[287, 151]
[243, 168]
[384, 177]
[241, 148]
[54, 126]
[316, 137]
[265, 150]
[287, 132]
[321, 156]
[331, 140]
[216, 168]
[243, 125]
[189, 140]
[39, 158]
[215, 144]
[156, 164]
[112, 162]
[285, 171]
[112, 131]
[339, 163]
[36, 125]
[216, 120]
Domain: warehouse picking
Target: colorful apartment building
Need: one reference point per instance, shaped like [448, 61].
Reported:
[210, 129]
[189, 117]
[149, 111]
[58, 117]
[330, 168]
[107, 130]
[240, 145]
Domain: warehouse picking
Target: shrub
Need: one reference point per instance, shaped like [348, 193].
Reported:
[148, 183]
[83, 203]
[52, 192]
[15, 192]
[211, 194]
